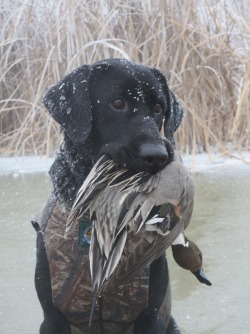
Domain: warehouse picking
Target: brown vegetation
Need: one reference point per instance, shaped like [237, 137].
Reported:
[203, 49]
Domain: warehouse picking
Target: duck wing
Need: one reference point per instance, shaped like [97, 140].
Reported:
[159, 212]
[171, 188]
[105, 172]
[123, 205]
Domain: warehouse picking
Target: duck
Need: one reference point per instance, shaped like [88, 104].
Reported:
[122, 204]
[188, 256]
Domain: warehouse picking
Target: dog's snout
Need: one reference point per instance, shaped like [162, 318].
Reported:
[155, 156]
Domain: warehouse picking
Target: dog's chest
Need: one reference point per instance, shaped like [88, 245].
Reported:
[70, 276]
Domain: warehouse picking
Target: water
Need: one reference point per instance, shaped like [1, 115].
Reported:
[20, 197]
[220, 226]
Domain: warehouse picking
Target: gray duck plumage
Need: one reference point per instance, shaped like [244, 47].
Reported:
[121, 204]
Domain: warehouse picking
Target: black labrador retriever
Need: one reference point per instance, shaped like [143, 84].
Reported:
[113, 107]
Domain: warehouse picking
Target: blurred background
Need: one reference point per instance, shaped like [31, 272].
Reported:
[203, 47]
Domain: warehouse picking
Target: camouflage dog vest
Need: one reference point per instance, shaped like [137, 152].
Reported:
[70, 275]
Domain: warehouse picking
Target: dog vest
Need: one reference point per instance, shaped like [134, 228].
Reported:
[70, 274]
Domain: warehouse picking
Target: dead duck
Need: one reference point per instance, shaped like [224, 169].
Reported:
[188, 256]
[122, 204]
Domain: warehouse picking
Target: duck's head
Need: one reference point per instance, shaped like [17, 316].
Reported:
[188, 256]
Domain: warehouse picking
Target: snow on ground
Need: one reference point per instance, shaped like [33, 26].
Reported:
[217, 161]
[30, 164]
[198, 162]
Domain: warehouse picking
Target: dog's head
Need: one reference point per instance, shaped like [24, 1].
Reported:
[121, 107]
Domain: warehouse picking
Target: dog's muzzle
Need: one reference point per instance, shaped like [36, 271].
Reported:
[156, 156]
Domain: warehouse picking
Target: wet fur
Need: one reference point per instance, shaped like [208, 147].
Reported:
[81, 104]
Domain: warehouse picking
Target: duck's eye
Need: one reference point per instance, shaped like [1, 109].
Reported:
[157, 108]
[118, 104]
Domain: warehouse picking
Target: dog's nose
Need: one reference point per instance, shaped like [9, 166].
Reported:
[155, 155]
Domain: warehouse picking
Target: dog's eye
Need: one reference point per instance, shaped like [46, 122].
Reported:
[157, 108]
[118, 104]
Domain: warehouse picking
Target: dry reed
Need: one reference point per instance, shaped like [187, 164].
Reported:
[202, 46]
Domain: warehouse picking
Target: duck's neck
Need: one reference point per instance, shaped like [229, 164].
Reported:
[181, 240]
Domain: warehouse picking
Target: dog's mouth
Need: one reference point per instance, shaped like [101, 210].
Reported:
[149, 157]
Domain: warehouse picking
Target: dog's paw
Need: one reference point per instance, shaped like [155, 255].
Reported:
[50, 327]
[149, 322]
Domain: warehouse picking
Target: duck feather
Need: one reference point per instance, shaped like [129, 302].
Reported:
[121, 204]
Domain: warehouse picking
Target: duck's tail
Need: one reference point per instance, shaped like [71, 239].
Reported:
[95, 295]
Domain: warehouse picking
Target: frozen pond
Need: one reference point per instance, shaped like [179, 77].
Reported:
[220, 226]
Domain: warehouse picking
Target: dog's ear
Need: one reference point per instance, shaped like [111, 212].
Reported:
[175, 112]
[69, 104]
[176, 115]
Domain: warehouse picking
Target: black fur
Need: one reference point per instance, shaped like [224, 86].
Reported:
[149, 321]
[115, 107]
[54, 321]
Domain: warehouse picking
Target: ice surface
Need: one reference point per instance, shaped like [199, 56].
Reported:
[196, 162]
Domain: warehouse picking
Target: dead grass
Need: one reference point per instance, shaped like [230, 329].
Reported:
[204, 51]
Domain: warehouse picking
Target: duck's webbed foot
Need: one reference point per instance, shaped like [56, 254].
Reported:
[149, 322]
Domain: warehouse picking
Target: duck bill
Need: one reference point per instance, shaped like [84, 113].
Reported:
[200, 275]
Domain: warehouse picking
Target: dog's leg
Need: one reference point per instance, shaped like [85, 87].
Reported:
[159, 286]
[172, 327]
[54, 322]
[149, 320]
